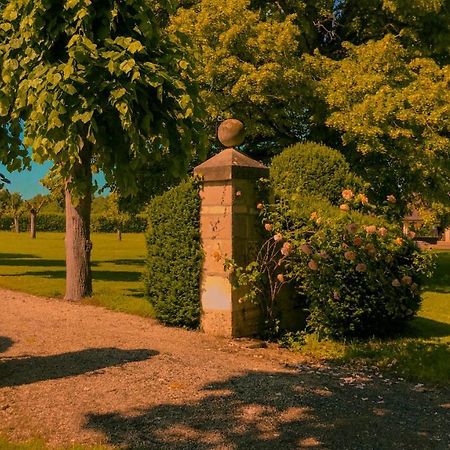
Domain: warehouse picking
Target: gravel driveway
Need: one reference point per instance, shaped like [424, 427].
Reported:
[72, 373]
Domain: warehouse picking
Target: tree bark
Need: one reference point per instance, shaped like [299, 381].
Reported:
[16, 225]
[33, 224]
[119, 234]
[78, 242]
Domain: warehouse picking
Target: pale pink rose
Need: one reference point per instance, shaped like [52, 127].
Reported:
[313, 265]
[382, 232]
[268, 227]
[344, 207]
[391, 199]
[286, 249]
[411, 235]
[357, 241]
[324, 255]
[350, 256]
[344, 245]
[336, 295]
[407, 280]
[370, 229]
[396, 283]
[352, 228]
[305, 248]
[361, 267]
[363, 199]
[238, 193]
[278, 237]
[259, 206]
[347, 194]
[280, 278]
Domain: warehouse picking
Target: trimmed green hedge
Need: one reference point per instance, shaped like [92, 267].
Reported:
[102, 224]
[44, 222]
[312, 169]
[57, 223]
[173, 266]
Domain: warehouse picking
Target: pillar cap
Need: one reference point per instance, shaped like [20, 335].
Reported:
[230, 164]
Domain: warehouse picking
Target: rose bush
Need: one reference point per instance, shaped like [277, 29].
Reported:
[358, 274]
[359, 281]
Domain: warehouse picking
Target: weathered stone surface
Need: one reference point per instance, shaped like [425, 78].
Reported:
[231, 133]
[228, 226]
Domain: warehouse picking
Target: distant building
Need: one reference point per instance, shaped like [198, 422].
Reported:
[437, 235]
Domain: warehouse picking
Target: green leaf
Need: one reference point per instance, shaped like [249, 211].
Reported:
[135, 47]
[127, 66]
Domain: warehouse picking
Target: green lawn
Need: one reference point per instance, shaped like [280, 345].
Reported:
[37, 444]
[38, 267]
[421, 354]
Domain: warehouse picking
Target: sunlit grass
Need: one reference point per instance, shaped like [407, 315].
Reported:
[38, 267]
[38, 444]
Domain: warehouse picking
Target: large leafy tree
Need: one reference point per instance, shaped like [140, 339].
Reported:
[93, 85]
[332, 71]
[248, 66]
[391, 112]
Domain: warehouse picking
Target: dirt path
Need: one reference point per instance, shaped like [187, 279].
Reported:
[72, 373]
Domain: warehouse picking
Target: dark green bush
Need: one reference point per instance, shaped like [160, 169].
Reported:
[57, 223]
[175, 256]
[359, 275]
[103, 224]
[359, 280]
[312, 169]
[51, 222]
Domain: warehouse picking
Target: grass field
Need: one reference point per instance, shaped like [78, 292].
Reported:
[37, 444]
[38, 267]
[421, 354]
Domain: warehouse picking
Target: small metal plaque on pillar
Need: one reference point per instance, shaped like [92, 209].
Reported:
[229, 229]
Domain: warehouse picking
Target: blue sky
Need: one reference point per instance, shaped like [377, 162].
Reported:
[27, 182]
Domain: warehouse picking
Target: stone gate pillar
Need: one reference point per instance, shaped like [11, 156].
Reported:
[229, 229]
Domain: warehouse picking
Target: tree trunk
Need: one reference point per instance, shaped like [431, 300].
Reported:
[33, 224]
[16, 225]
[78, 242]
[119, 234]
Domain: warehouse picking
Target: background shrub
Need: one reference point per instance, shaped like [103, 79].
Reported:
[175, 256]
[104, 224]
[57, 223]
[44, 222]
[312, 169]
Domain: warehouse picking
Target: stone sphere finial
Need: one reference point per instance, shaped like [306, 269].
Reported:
[231, 133]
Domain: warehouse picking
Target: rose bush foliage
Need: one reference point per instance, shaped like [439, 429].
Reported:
[359, 280]
[359, 275]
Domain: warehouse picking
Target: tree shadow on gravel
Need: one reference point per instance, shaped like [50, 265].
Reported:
[263, 410]
[31, 369]
[5, 343]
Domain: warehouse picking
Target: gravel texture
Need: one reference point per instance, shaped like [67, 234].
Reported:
[73, 373]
